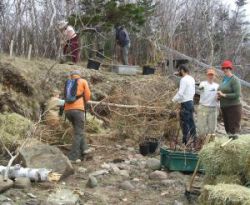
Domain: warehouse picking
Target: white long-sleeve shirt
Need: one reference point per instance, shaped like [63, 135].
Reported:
[186, 90]
[208, 95]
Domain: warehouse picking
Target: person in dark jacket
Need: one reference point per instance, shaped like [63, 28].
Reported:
[123, 40]
[229, 95]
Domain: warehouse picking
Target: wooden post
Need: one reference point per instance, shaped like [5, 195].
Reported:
[29, 54]
[11, 48]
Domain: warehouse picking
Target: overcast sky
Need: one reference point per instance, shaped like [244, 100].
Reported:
[231, 3]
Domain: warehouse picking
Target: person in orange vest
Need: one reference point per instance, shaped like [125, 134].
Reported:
[77, 94]
[69, 40]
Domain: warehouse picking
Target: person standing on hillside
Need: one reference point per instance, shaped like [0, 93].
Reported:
[77, 94]
[69, 40]
[123, 40]
[185, 96]
[208, 107]
[229, 95]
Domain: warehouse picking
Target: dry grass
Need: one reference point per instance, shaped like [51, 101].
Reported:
[231, 160]
[13, 128]
[225, 194]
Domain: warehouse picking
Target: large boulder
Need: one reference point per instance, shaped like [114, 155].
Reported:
[39, 155]
[5, 185]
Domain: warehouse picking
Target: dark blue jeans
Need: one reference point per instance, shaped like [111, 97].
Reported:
[187, 121]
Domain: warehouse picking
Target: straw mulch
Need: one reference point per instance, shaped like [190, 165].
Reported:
[225, 194]
[229, 164]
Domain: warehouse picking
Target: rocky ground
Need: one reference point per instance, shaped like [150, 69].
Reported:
[113, 174]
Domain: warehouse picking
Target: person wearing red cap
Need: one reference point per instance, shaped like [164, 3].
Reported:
[208, 106]
[229, 95]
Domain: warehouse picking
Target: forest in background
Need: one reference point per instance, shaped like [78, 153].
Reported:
[204, 29]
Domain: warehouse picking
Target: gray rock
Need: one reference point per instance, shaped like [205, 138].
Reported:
[158, 175]
[31, 195]
[22, 183]
[4, 199]
[99, 172]
[131, 149]
[92, 182]
[82, 170]
[118, 146]
[153, 164]
[126, 185]
[5, 185]
[124, 173]
[78, 161]
[39, 155]
[180, 176]
[177, 203]
[170, 182]
[63, 197]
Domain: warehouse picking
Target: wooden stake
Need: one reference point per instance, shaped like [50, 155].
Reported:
[11, 48]
[29, 54]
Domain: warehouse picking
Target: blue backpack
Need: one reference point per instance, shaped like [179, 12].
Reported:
[70, 91]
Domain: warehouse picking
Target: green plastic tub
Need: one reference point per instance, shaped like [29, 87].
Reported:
[178, 161]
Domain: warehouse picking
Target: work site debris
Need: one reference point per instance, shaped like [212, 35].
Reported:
[230, 160]
[33, 174]
[223, 194]
[13, 128]
[38, 155]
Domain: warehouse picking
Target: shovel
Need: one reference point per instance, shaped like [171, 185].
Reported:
[231, 138]
[189, 190]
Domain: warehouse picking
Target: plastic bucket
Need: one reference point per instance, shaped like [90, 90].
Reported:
[153, 144]
[144, 148]
[93, 64]
[147, 70]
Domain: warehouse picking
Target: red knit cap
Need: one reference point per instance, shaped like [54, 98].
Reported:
[227, 64]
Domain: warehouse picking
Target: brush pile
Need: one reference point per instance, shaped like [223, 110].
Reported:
[63, 132]
[150, 118]
[223, 194]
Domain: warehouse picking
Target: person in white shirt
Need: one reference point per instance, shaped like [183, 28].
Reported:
[185, 96]
[208, 106]
[69, 39]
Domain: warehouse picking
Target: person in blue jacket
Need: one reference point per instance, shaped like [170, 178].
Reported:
[123, 40]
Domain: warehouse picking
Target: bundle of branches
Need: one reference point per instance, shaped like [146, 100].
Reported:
[13, 128]
[229, 164]
[146, 107]
[222, 194]
[63, 132]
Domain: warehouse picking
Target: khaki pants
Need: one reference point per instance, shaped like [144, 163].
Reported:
[124, 52]
[206, 120]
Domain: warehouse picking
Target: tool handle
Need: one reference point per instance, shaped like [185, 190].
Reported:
[227, 142]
